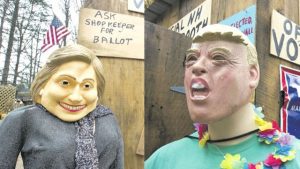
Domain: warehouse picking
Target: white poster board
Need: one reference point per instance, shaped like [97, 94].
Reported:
[285, 37]
[111, 34]
[191, 23]
[136, 6]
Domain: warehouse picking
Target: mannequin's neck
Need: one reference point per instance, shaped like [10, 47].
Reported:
[239, 122]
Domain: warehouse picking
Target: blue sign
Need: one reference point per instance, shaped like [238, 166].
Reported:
[290, 110]
[245, 21]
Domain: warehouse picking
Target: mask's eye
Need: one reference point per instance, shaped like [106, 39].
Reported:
[190, 59]
[64, 83]
[218, 57]
[88, 85]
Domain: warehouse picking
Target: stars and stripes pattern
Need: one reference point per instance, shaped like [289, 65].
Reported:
[56, 32]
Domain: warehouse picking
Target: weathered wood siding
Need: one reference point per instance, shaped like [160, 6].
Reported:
[166, 114]
[124, 91]
[267, 93]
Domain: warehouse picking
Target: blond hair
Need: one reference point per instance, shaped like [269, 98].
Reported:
[227, 33]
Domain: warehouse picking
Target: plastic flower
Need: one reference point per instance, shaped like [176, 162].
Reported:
[271, 161]
[262, 124]
[204, 139]
[259, 166]
[265, 126]
[269, 132]
[196, 125]
[275, 125]
[232, 162]
[258, 111]
[251, 166]
[283, 158]
[201, 128]
[254, 166]
[285, 153]
[268, 136]
[285, 139]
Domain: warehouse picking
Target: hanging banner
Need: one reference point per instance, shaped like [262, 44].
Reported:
[245, 21]
[191, 23]
[290, 110]
[284, 38]
[111, 34]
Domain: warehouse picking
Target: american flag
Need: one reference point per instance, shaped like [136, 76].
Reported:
[55, 33]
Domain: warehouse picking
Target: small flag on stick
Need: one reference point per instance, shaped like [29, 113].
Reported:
[56, 32]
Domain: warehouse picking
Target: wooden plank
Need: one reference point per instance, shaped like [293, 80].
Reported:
[233, 6]
[124, 92]
[166, 113]
[112, 5]
[178, 10]
[124, 95]
[267, 93]
[141, 146]
[298, 11]
[291, 10]
[171, 16]
[218, 11]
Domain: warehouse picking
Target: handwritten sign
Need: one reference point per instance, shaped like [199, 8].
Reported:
[136, 6]
[191, 23]
[285, 37]
[111, 34]
[245, 21]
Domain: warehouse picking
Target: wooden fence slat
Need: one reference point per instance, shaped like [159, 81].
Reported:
[166, 114]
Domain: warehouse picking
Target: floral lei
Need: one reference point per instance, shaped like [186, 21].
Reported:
[268, 133]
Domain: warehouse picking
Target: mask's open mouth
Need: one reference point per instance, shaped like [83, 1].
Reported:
[199, 89]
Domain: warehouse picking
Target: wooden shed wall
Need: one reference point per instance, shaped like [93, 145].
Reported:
[124, 91]
[267, 93]
[166, 114]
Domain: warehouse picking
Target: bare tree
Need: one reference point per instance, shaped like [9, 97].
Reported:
[22, 27]
[10, 42]
[28, 26]
[23, 35]
[67, 14]
[4, 9]
[35, 55]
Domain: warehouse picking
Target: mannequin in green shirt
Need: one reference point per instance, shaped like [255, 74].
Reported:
[221, 74]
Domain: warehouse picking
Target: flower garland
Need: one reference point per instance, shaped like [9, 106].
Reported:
[269, 133]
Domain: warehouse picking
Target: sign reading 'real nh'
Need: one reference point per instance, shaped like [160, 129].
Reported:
[285, 37]
[191, 23]
[111, 34]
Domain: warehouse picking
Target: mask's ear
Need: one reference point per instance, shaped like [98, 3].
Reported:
[41, 92]
[254, 76]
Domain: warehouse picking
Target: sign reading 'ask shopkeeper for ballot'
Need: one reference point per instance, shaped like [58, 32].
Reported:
[111, 34]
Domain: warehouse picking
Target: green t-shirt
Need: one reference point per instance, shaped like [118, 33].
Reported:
[187, 154]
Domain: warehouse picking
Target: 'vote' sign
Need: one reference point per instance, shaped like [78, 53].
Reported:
[285, 37]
